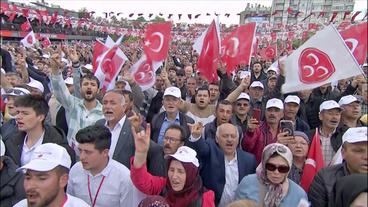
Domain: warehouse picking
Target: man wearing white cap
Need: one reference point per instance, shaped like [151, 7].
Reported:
[351, 112]
[329, 115]
[241, 110]
[11, 185]
[46, 176]
[259, 135]
[36, 87]
[291, 108]
[10, 125]
[171, 115]
[355, 154]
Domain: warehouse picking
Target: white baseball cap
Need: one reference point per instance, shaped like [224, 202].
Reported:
[2, 148]
[292, 99]
[172, 91]
[185, 154]
[88, 66]
[48, 156]
[36, 84]
[243, 96]
[356, 134]
[16, 91]
[275, 102]
[347, 100]
[68, 80]
[327, 105]
[272, 69]
[256, 84]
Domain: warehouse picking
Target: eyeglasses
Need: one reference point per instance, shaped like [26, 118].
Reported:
[171, 139]
[281, 168]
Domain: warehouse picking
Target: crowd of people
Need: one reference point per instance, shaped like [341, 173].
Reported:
[183, 142]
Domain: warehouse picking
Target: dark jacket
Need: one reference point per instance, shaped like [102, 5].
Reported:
[155, 106]
[336, 138]
[14, 145]
[159, 119]
[212, 162]
[309, 111]
[301, 125]
[7, 61]
[11, 184]
[8, 128]
[125, 149]
[210, 129]
[320, 192]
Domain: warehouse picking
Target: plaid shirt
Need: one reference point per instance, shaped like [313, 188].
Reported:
[77, 116]
[327, 149]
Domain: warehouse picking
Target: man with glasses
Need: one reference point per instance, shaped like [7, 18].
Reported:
[241, 110]
[171, 115]
[173, 139]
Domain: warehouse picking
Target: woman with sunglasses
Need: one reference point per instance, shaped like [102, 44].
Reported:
[270, 186]
[182, 187]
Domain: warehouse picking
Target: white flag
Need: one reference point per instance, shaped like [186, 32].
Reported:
[29, 40]
[144, 72]
[322, 59]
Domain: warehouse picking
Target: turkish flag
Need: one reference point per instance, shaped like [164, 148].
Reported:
[29, 40]
[236, 47]
[109, 66]
[98, 50]
[289, 45]
[143, 72]
[290, 35]
[273, 36]
[270, 52]
[305, 35]
[157, 41]
[54, 17]
[322, 59]
[26, 26]
[46, 42]
[208, 47]
[313, 163]
[4, 7]
[41, 14]
[312, 26]
[356, 39]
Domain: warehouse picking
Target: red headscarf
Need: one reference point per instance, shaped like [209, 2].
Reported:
[190, 192]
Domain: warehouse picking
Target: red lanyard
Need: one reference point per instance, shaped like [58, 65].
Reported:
[98, 190]
[65, 199]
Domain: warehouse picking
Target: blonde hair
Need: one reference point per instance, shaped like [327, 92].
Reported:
[243, 203]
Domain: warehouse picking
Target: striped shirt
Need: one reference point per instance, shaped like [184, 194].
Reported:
[77, 115]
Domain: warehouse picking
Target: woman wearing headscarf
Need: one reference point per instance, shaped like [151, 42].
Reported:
[299, 148]
[350, 191]
[270, 186]
[182, 187]
[154, 201]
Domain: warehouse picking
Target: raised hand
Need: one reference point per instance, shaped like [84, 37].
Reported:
[252, 124]
[142, 140]
[55, 63]
[196, 129]
[136, 121]
[73, 55]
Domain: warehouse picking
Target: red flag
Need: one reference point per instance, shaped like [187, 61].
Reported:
[290, 35]
[157, 41]
[54, 17]
[209, 53]
[109, 67]
[355, 15]
[14, 12]
[273, 36]
[289, 10]
[4, 7]
[313, 163]
[269, 52]
[46, 42]
[312, 26]
[255, 46]
[356, 39]
[98, 50]
[237, 46]
[305, 35]
[289, 45]
[334, 15]
[26, 26]
[41, 14]
[25, 12]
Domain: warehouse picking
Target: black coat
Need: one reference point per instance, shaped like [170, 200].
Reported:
[11, 184]
[159, 119]
[14, 144]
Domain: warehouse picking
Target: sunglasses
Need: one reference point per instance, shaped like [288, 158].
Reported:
[281, 168]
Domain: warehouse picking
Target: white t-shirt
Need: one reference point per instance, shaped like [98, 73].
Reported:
[70, 202]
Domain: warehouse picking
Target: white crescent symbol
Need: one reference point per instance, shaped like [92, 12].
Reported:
[316, 59]
[354, 42]
[324, 69]
[235, 47]
[140, 76]
[159, 34]
[311, 70]
[206, 50]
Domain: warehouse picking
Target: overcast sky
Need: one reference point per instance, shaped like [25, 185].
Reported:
[172, 6]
